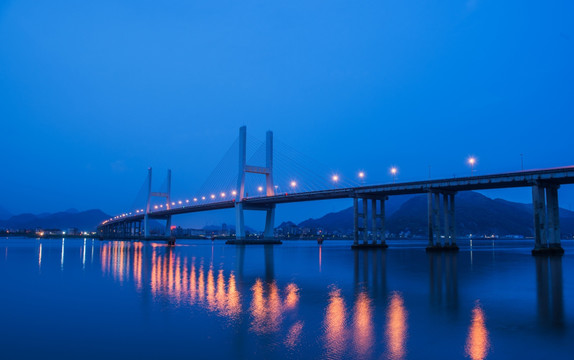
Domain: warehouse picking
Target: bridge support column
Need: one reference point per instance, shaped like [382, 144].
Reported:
[546, 220]
[375, 229]
[355, 221]
[365, 226]
[435, 234]
[268, 236]
[451, 213]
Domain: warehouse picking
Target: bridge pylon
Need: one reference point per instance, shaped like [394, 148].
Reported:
[150, 195]
[240, 207]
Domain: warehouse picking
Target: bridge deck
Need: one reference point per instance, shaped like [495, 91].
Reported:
[558, 176]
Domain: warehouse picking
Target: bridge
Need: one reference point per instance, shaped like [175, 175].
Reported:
[440, 193]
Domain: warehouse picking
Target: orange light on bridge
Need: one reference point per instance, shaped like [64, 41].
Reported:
[179, 202]
[212, 196]
[260, 189]
[293, 183]
[203, 198]
[361, 174]
[234, 193]
[335, 178]
[195, 199]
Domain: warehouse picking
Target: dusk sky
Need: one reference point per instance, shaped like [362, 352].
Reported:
[94, 93]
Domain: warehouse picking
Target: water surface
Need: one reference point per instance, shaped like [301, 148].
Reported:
[70, 299]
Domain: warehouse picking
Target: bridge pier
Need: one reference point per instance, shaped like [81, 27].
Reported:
[375, 228]
[434, 226]
[546, 220]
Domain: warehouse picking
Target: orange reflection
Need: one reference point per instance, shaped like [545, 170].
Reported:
[477, 343]
[258, 307]
[233, 298]
[275, 308]
[192, 283]
[210, 289]
[334, 324]
[292, 297]
[363, 324]
[294, 335]
[220, 301]
[396, 331]
[173, 278]
[200, 285]
[267, 313]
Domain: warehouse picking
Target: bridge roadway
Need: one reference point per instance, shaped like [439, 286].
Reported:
[554, 176]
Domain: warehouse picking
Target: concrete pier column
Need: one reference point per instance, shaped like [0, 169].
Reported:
[436, 221]
[430, 219]
[553, 215]
[168, 226]
[435, 233]
[446, 215]
[374, 227]
[269, 221]
[382, 216]
[539, 210]
[365, 227]
[239, 221]
[452, 220]
[355, 221]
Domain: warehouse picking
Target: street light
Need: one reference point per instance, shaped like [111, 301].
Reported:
[394, 172]
[362, 176]
[471, 161]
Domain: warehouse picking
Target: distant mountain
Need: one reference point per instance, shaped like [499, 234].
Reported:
[474, 214]
[342, 221]
[83, 220]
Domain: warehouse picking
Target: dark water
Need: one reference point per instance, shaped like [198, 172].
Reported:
[78, 299]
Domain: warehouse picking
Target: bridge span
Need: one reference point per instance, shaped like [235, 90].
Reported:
[441, 198]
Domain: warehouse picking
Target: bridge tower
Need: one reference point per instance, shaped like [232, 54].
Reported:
[240, 207]
[150, 195]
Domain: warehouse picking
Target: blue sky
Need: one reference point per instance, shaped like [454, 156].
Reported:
[93, 93]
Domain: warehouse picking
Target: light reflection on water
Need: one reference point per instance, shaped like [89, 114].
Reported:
[397, 327]
[362, 305]
[477, 343]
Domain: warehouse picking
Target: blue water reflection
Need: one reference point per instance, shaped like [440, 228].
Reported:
[92, 299]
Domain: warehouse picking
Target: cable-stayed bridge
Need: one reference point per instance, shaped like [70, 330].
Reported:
[293, 177]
